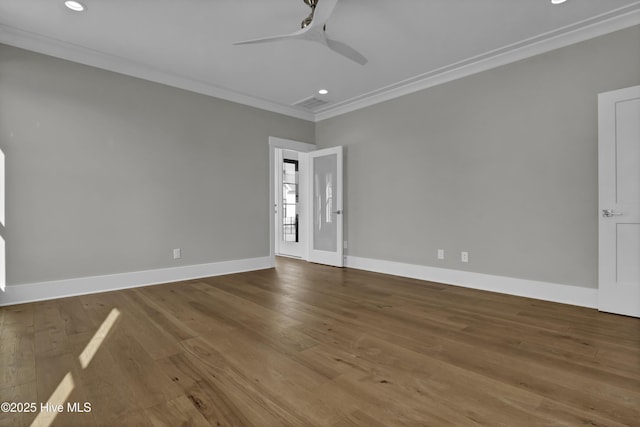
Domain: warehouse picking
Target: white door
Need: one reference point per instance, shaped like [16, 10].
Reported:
[276, 148]
[289, 205]
[325, 179]
[619, 201]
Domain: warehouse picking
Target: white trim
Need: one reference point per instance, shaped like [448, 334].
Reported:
[289, 144]
[565, 294]
[30, 292]
[606, 23]
[581, 31]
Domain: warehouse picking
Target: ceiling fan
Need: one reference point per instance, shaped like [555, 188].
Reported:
[313, 29]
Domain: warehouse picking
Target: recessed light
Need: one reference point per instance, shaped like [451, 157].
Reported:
[323, 91]
[76, 6]
[558, 1]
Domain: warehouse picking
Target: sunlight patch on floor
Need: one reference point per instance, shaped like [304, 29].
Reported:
[66, 386]
[97, 339]
[58, 397]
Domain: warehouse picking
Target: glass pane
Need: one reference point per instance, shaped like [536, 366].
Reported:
[290, 200]
[325, 170]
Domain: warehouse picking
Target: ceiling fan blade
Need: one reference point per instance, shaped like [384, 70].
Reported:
[315, 32]
[293, 35]
[322, 12]
[346, 51]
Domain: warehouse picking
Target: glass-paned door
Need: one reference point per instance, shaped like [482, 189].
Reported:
[326, 206]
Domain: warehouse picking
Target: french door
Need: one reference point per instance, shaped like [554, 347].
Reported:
[326, 213]
[317, 235]
[290, 174]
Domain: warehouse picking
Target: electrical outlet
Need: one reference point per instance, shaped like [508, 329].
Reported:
[440, 253]
[177, 253]
[464, 256]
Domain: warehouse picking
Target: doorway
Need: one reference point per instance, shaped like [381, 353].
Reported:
[305, 202]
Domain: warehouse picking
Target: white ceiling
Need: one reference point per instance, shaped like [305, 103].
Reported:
[410, 44]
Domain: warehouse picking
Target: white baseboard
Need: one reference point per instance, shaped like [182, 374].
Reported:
[566, 294]
[30, 292]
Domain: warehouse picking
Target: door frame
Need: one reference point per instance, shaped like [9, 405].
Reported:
[285, 144]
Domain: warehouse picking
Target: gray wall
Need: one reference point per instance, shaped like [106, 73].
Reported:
[108, 173]
[502, 164]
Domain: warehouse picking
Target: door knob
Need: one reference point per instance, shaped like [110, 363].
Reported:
[608, 213]
[337, 212]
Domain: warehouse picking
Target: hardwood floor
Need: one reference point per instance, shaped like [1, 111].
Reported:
[309, 345]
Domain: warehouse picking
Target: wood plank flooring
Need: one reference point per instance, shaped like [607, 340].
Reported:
[310, 345]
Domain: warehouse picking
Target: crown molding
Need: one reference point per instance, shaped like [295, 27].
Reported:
[594, 27]
[80, 54]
